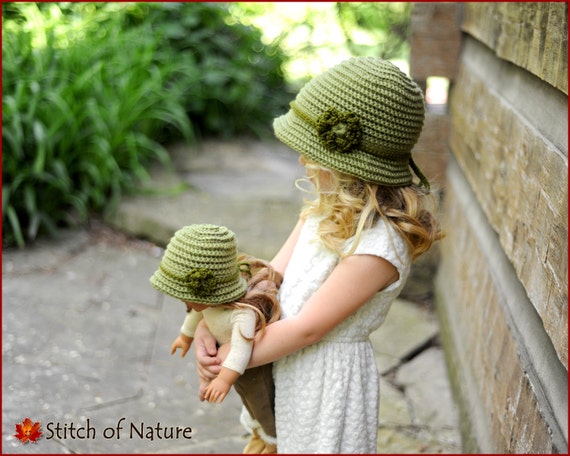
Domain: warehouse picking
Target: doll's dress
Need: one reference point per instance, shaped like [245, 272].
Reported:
[327, 394]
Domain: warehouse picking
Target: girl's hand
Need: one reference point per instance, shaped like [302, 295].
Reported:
[209, 364]
[207, 376]
[223, 351]
[202, 389]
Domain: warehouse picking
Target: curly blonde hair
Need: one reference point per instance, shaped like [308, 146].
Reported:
[263, 284]
[348, 205]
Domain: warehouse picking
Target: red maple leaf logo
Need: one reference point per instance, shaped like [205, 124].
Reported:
[28, 431]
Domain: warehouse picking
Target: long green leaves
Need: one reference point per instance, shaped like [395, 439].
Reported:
[92, 91]
[79, 116]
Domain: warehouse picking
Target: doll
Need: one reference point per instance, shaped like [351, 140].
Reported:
[236, 296]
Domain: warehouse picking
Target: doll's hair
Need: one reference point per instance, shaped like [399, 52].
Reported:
[347, 205]
[263, 284]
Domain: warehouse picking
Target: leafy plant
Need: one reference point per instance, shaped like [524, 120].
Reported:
[241, 86]
[385, 26]
[78, 118]
[93, 91]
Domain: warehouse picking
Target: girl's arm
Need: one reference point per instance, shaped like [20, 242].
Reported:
[350, 285]
[281, 259]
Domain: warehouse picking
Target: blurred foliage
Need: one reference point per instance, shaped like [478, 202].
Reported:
[92, 91]
[316, 35]
[376, 28]
[240, 85]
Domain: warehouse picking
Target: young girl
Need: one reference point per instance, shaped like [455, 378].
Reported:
[348, 257]
[201, 267]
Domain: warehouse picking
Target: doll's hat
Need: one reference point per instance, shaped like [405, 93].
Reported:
[200, 265]
[361, 117]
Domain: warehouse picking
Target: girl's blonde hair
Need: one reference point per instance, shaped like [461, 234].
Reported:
[348, 205]
[262, 289]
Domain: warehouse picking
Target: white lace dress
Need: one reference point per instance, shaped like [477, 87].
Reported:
[327, 394]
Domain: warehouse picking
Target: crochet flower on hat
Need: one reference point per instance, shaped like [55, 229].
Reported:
[339, 131]
[201, 281]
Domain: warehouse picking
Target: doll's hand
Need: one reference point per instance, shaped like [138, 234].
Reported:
[217, 391]
[182, 342]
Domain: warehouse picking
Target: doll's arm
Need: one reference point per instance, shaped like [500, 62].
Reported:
[184, 340]
[218, 389]
[241, 345]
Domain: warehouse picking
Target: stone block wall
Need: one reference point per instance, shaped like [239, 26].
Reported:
[501, 287]
[435, 41]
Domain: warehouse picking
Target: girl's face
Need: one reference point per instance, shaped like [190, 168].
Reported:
[317, 175]
[195, 306]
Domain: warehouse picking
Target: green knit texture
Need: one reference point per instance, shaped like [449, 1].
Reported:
[361, 117]
[200, 265]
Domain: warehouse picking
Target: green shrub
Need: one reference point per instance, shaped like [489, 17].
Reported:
[241, 88]
[92, 91]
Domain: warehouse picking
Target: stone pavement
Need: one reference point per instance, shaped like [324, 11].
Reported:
[85, 338]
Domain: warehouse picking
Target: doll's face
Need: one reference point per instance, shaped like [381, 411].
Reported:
[195, 306]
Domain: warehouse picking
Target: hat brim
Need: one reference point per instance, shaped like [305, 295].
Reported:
[179, 290]
[302, 137]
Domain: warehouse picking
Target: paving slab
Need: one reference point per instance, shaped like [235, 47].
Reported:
[431, 400]
[408, 328]
[86, 340]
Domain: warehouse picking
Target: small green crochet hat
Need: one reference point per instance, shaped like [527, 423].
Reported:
[200, 265]
[362, 117]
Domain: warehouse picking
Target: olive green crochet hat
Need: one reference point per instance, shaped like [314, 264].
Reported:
[361, 117]
[200, 265]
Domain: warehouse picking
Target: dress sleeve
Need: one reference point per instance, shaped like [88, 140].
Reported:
[190, 323]
[383, 241]
[243, 324]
